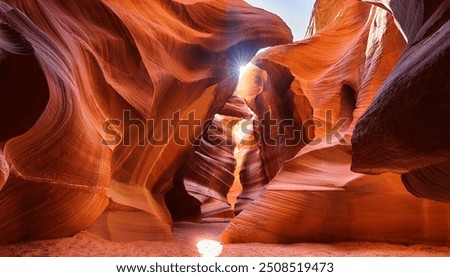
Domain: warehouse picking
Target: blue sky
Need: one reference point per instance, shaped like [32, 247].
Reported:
[295, 13]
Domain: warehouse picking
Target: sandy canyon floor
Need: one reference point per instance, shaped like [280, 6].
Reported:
[187, 235]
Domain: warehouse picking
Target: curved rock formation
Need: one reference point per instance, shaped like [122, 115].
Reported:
[4, 170]
[417, 96]
[210, 173]
[252, 175]
[131, 115]
[337, 205]
[101, 78]
[351, 49]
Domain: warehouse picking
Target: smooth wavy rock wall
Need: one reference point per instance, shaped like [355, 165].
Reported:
[351, 49]
[406, 128]
[68, 66]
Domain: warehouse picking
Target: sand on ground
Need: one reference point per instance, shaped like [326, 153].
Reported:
[187, 235]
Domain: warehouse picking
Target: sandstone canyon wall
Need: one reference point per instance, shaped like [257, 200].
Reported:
[67, 67]
[335, 73]
[406, 128]
[95, 96]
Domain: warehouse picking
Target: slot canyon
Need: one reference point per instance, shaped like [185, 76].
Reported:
[160, 122]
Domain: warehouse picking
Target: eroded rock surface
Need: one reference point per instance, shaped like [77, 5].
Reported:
[334, 74]
[67, 67]
[406, 128]
[122, 116]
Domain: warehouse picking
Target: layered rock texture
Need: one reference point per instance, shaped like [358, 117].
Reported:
[332, 78]
[405, 129]
[85, 88]
[122, 116]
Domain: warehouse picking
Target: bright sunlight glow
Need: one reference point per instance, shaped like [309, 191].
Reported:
[209, 248]
[243, 69]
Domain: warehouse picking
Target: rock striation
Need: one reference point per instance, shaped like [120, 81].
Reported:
[405, 129]
[85, 87]
[120, 117]
[333, 77]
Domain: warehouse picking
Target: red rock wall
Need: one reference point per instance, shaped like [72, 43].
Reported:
[406, 128]
[367, 91]
[100, 59]
[352, 49]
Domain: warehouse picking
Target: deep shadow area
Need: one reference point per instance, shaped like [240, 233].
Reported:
[23, 94]
[347, 104]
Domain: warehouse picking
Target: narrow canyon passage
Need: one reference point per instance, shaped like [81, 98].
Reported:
[163, 124]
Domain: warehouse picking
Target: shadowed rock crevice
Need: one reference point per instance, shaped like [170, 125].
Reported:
[23, 94]
[347, 105]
